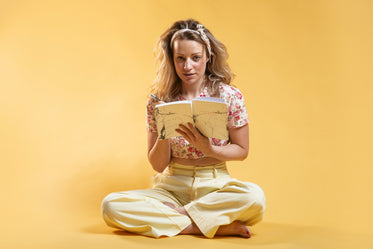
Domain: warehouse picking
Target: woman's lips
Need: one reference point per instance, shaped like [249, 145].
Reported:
[189, 75]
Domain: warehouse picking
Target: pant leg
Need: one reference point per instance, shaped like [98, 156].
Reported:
[143, 212]
[235, 200]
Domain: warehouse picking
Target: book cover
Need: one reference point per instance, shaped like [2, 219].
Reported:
[209, 116]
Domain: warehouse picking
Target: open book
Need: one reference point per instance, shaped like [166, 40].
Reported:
[209, 116]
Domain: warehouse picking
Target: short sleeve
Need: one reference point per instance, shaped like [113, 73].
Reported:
[150, 116]
[237, 114]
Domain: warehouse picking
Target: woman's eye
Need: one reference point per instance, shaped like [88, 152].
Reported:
[179, 58]
[196, 58]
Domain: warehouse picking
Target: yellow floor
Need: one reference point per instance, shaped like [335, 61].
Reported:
[94, 234]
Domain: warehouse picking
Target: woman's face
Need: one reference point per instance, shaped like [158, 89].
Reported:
[190, 61]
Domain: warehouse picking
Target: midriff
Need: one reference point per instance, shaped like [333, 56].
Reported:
[204, 161]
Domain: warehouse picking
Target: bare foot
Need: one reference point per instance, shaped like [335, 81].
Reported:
[236, 228]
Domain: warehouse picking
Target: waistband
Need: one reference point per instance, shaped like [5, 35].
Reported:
[196, 171]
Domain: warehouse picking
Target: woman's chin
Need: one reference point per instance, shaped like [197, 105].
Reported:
[192, 81]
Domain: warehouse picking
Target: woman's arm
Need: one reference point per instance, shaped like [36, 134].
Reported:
[159, 152]
[238, 149]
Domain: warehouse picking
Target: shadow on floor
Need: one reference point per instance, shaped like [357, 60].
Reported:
[265, 235]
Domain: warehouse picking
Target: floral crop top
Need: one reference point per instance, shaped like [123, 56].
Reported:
[237, 117]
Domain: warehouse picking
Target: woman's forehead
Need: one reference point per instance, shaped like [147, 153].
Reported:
[187, 47]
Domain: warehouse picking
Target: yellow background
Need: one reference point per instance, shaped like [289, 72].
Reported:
[74, 78]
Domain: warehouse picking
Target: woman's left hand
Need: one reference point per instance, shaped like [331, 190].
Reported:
[194, 137]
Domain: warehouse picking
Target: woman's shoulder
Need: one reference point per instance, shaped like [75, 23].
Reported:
[229, 91]
[151, 101]
[150, 105]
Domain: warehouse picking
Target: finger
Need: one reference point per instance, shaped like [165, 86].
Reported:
[182, 133]
[183, 127]
[186, 130]
[193, 129]
[196, 133]
[158, 103]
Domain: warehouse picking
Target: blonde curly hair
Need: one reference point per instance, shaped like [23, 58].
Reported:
[167, 85]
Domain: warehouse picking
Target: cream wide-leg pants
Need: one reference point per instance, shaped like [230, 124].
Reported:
[209, 195]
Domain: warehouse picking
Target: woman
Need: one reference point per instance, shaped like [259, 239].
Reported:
[193, 192]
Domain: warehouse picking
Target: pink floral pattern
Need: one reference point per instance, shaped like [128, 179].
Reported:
[150, 117]
[237, 117]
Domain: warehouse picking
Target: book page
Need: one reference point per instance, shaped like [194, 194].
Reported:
[211, 118]
[169, 115]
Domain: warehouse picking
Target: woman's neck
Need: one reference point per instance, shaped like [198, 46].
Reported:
[192, 91]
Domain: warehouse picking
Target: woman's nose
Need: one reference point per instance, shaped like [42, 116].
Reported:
[187, 64]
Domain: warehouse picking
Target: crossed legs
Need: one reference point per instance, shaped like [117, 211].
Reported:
[156, 212]
[236, 228]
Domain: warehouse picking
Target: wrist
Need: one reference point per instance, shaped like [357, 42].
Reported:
[163, 141]
[210, 152]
